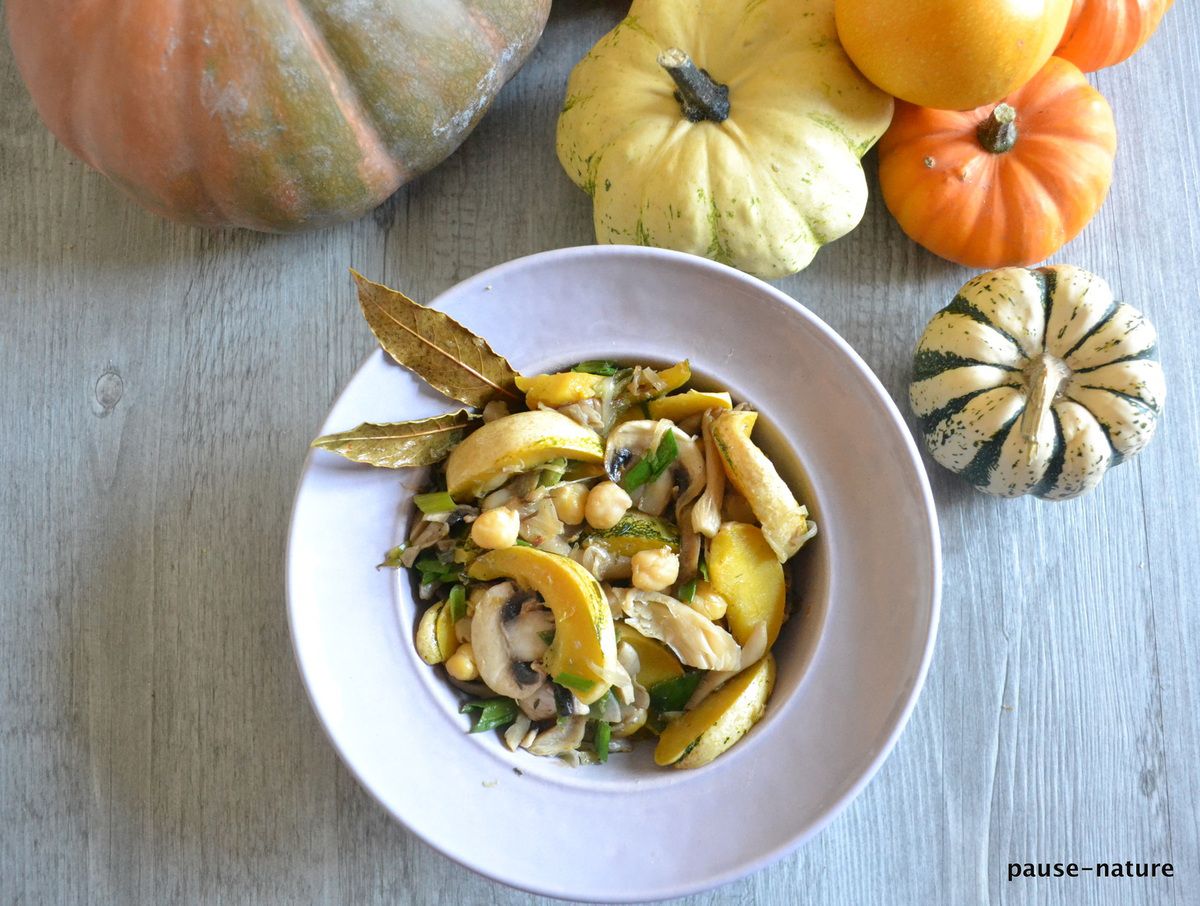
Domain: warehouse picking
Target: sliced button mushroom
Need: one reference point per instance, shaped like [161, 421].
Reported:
[631, 441]
[525, 620]
[541, 704]
[498, 666]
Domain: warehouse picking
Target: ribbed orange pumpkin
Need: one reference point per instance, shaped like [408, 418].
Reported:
[271, 114]
[1104, 32]
[1000, 185]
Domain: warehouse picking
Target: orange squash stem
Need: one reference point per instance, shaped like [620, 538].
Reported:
[998, 133]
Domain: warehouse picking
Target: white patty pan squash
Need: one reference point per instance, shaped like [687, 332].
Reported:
[729, 130]
[1036, 381]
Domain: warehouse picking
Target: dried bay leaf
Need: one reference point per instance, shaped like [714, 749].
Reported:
[400, 445]
[435, 347]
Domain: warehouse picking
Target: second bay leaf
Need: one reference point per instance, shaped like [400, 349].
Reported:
[400, 445]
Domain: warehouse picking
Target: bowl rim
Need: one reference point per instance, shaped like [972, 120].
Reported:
[901, 717]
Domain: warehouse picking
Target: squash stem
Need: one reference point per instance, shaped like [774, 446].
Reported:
[998, 133]
[1044, 377]
[700, 96]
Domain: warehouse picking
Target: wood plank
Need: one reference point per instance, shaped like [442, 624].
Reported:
[160, 383]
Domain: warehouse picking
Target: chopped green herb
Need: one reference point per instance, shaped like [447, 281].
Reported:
[703, 569]
[673, 694]
[552, 472]
[571, 681]
[687, 591]
[598, 366]
[458, 603]
[436, 502]
[546, 636]
[392, 558]
[493, 713]
[645, 405]
[434, 570]
[521, 542]
[652, 465]
[603, 738]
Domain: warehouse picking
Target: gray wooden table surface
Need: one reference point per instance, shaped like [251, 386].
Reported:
[158, 386]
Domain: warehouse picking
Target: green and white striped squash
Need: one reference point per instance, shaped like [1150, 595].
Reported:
[1036, 382]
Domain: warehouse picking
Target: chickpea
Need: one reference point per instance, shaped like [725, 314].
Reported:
[461, 665]
[654, 570]
[570, 501]
[494, 410]
[708, 602]
[606, 504]
[496, 528]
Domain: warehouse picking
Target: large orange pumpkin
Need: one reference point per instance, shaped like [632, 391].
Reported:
[1000, 185]
[270, 114]
[1104, 32]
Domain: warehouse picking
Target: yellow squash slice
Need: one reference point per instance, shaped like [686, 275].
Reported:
[657, 663]
[516, 443]
[784, 521]
[698, 736]
[583, 655]
[685, 405]
[746, 573]
[560, 389]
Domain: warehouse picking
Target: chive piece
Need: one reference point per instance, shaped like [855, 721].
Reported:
[645, 404]
[392, 558]
[571, 681]
[546, 635]
[493, 713]
[434, 570]
[703, 566]
[673, 694]
[688, 591]
[521, 542]
[435, 502]
[652, 465]
[603, 738]
[552, 472]
[458, 602]
[602, 367]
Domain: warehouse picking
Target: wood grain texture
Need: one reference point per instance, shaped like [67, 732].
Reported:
[159, 386]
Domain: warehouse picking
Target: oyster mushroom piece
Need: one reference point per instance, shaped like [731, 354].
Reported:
[561, 738]
[497, 665]
[695, 639]
[516, 732]
[706, 514]
[632, 440]
[753, 651]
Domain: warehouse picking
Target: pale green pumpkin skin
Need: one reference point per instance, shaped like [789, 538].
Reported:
[970, 383]
[762, 190]
[267, 114]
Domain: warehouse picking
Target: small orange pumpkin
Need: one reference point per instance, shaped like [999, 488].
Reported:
[1104, 32]
[1001, 185]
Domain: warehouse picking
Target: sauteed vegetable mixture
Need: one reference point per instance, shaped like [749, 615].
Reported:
[607, 564]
